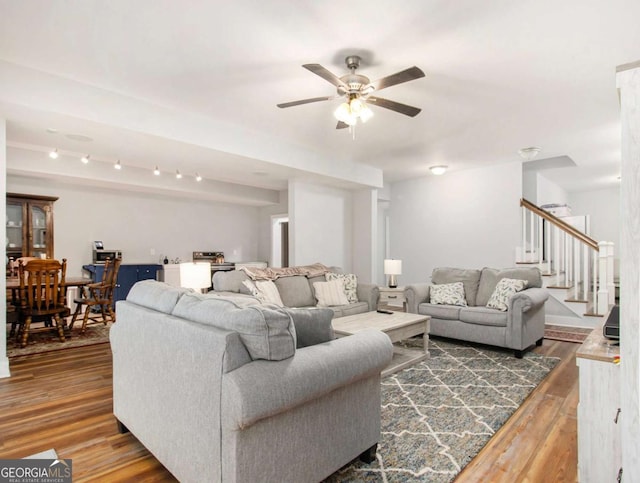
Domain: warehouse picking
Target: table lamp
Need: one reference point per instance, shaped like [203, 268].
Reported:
[195, 275]
[392, 268]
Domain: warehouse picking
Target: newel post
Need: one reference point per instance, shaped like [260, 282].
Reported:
[602, 305]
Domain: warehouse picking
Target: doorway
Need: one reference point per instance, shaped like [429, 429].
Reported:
[280, 241]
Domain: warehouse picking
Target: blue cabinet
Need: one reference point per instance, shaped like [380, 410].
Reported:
[128, 275]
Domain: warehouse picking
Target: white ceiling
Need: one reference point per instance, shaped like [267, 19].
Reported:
[193, 85]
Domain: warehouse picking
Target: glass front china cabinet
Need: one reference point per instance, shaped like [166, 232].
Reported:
[29, 226]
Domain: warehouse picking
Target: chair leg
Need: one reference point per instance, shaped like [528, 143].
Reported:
[112, 314]
[59, 326]
[369, 455]
[75, 315]
[25, 331]
[104, 314]
[85, 319]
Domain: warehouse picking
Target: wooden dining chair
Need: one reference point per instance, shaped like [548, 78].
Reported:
[98, 295]
[41, 295]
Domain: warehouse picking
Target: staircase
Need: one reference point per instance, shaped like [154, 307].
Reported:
[577, 270]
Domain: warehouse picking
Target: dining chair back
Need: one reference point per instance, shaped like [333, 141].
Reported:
[41, 295]
[100, 296]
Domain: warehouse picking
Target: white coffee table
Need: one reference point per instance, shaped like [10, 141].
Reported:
[398, 326]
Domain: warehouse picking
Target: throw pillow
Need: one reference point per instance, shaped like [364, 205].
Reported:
[503, 291]
[330, 294]
[313, 326]
[448, 294]
[350, 282]
[265, 291]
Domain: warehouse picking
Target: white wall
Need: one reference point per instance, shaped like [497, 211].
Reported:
[4, 360]
[467, 219]
[319, 225]
[265, 227]
[548, 192]
[136, 223]
[603, 207]
[364, 231]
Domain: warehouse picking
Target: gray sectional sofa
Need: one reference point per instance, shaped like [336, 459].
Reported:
[517, 328]
[298, 291]
[227, 389]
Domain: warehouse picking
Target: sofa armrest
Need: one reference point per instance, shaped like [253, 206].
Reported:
[528, 299]
[262, 389]
[368, 293]
[416, 294]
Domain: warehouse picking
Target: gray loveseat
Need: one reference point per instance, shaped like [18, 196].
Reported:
[298, 291]
[222, 389]
[517, 328]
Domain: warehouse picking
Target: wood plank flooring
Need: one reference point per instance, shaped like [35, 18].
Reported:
[63, 400]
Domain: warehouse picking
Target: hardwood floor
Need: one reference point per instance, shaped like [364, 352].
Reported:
[62, 400]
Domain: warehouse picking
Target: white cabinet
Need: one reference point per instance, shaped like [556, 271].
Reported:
[599, 417]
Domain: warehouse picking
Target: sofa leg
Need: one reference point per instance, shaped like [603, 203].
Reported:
[518, 354]
[539, 341]
[369, 455]
[122, 429]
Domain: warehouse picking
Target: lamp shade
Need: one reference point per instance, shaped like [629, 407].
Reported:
[195, 275]
[392, 267]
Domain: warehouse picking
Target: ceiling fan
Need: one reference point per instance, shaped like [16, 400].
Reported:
[357, 90]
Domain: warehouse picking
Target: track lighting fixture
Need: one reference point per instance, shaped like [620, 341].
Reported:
[117, 165]
[198, 178]
[156, 171]
[53, 154]
[178, 175]
[85, 159]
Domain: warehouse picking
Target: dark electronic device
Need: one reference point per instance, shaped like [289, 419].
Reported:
[611, 329]
[380, 311]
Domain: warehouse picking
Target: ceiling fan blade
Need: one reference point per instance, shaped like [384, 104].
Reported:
[317, 69]
[341, 125]
[394, 106]
[305, 101]
[406, 75]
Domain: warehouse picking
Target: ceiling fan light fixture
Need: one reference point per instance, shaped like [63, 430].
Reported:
[438, 170]
[366, 113]
[343, 114]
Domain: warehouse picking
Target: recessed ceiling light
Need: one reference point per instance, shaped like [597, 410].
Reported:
[53, 154]
[438, 170]
[79, 137]
[156, 171]
[51, 130]
[85, 159]
[260, 173]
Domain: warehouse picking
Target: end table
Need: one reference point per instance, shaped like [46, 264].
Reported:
[393, 296]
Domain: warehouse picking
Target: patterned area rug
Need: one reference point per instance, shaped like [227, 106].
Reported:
[48, 341]
[438, 414]
[567, 334]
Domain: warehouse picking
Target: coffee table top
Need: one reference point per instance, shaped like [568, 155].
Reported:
[375, 320]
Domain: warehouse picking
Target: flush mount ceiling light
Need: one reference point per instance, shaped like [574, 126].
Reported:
[85, 159]
[529, 153]
[178, 175]
[438, 170]
[53, 154]
[156, 171]
[117, 165]
[198, 178]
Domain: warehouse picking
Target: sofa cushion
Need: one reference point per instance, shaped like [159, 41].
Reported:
[295, 291]
[265, 291]
[266, 331]
[350, 309]
[469, 277]
[350, 282]
[229, 281]
[491, 276]
[313, 325]
[156, 295]
[483, 316]
[330, 294]
[448, 312]
[504, 290]
[448, 294]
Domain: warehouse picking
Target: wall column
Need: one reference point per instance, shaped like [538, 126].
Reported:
[628, 83]
[4, 360]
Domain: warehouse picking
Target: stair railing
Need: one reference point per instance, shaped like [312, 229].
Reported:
[577, 260]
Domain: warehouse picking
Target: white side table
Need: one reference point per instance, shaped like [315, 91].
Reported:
[393, 296]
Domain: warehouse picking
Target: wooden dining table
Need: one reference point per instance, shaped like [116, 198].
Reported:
[13, 284]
